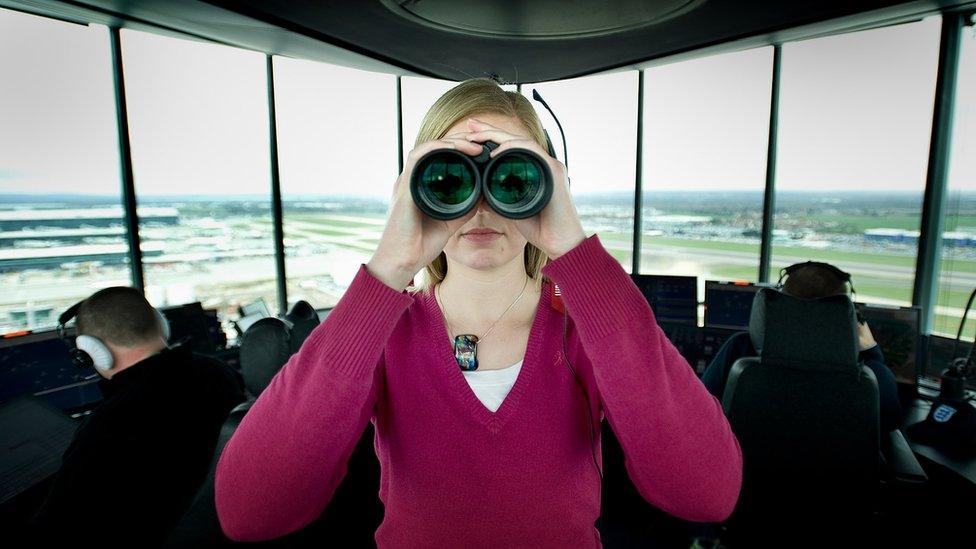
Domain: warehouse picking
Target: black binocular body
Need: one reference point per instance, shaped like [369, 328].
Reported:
[447, 184]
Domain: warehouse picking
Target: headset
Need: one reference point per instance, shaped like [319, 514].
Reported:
[843, 276]
[88, 351]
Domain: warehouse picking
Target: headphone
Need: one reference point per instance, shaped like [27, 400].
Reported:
[843, 276]
[88, 351]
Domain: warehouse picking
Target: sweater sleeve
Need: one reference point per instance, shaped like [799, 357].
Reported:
[282, 465]
[679, 449]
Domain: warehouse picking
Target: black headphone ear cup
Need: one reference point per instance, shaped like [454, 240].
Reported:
[81, 359]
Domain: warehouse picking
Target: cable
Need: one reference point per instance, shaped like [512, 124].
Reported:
[537, 97]
[955, 346]
[589, 411]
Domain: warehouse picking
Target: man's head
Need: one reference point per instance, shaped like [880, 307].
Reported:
[125, 322]
[812, 280]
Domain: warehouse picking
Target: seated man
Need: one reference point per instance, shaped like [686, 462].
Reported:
[136, 461]
[812, 280]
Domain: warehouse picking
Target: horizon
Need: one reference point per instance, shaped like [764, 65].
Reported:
[262, 196]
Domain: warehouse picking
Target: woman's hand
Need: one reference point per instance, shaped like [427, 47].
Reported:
[412, 239]
[557, 228]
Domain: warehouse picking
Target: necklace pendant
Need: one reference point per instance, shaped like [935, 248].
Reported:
[465, 351]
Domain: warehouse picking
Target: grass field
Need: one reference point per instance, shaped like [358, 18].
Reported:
[811, 253]
[869, 285]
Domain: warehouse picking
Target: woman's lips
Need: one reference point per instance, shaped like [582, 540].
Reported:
[481, 237]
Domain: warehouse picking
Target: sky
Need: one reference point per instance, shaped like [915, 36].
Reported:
[855, 115]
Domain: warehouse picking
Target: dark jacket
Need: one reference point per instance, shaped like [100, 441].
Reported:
[740, 345]
[137, 460]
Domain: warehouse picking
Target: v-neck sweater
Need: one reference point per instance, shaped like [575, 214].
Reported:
[454, 473]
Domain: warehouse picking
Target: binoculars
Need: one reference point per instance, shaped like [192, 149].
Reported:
[447, 184]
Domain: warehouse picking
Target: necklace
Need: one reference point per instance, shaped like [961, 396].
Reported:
[466, 345]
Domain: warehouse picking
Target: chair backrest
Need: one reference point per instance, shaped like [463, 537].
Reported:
[806, 414]
[265, 348]
[304, 319]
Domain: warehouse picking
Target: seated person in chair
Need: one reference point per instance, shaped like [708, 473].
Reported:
[811, 280]
[138, 458]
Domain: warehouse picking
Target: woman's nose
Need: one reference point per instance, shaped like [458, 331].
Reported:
[483, 204]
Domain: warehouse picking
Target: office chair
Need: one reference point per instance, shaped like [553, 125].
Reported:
[303, 320]
[806, 415]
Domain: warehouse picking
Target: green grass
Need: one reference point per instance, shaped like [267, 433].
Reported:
[857, 224]
[322, 230]
[622, 256]
[329, 220]
[734, 272]
[950, 294]
[649, 242]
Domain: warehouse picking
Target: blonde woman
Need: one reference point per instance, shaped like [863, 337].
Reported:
[504, 455]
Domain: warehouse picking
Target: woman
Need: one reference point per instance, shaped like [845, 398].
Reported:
[455, 471]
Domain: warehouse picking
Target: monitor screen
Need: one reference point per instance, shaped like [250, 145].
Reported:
[38, 364]
[189, 325]
[251, 313]
[729, 304]
[257, 309]
[697, 345]
[896, 331]
[940, 354]
[673, 299]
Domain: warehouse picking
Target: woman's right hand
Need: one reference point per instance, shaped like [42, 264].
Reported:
[412, 239]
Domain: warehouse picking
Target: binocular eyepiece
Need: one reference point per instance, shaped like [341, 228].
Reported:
[447, 184]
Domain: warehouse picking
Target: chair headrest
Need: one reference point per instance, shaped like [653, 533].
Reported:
[806, 334]
[265, 348]
[302, 310]
[304, 319]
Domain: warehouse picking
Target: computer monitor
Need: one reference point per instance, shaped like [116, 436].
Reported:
[939, 355]
[34, 435]
[697, 345]
[251, 313]
[255, 308]
[38, 363]
[728, 304]
[673, 299]
[897, 333]
[189, 325]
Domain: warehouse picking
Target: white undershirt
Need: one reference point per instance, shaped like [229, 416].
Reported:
[492, 386]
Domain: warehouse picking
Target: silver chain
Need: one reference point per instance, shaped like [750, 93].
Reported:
[444, 309]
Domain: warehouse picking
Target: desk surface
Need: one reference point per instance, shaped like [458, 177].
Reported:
[917, 410]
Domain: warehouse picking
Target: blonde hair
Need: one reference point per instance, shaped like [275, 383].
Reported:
[470, 98]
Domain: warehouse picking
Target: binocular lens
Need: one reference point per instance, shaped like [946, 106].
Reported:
[515, 179]
[446, 184]
[448, 180]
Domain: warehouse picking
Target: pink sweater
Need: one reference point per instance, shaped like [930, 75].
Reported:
[456, 474]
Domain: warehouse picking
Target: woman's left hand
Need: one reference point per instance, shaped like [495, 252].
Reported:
[557, 229]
